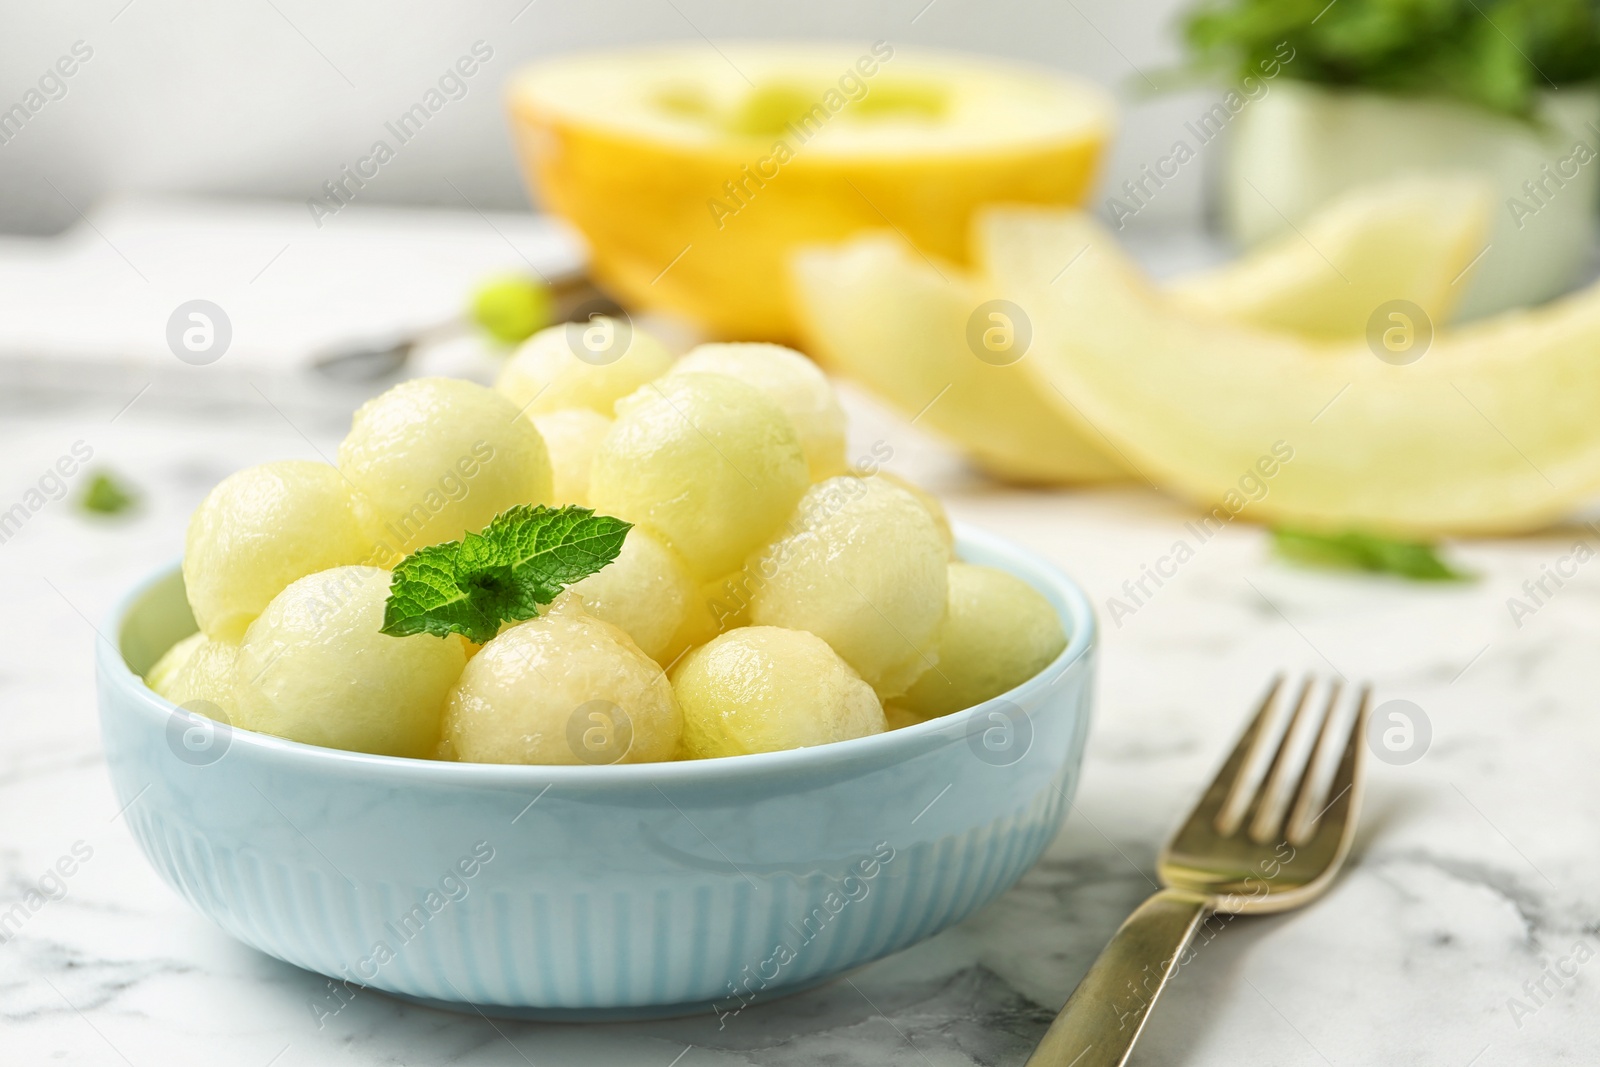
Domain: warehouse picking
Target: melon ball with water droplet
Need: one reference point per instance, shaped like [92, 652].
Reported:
[863, 566]
[582, 365]
[315, 668]
[789, 380]
[998, 632]
[766, 689]
[647, 592]
[707, 462]
[437, 457]
[572, 438]
[563, 688]
[260, 529]
[195, 669]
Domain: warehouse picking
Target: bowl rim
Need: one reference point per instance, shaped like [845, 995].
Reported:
[1079, 619]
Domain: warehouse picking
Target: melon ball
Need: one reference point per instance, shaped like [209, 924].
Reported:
[863, 566]
[791, 381]
[928, 501]
[172, 661]
[998, 632]
[438, 457]
[315, 668]
[572, 438]
[647, 592]
[765, 689]
[562, 688]
[707, 462]
[198, 668]
[582, 365]
[261, 528]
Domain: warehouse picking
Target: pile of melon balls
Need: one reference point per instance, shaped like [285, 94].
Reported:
[768, 596]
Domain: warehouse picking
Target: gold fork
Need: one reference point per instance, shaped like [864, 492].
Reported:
[1268, 835]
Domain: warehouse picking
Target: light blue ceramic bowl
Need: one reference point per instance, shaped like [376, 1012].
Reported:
[621, 891]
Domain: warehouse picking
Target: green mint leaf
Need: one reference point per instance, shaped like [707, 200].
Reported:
[428, 596]
[1499, 55]
[519, 563]
[106, 495]
[1355, 550]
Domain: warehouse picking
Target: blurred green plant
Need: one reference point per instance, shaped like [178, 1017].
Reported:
[1497, 54]
[1354, 550]
[106, 495]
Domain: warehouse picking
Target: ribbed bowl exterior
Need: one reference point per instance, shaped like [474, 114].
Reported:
[587, 892]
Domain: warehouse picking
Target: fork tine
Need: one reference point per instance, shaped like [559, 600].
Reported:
[1320, 767]
[1235, 782]
[1334, 785]
[1292, 761]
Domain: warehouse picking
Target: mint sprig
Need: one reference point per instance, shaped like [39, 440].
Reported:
[1497, 54]
[519, 563]
[1355, 550]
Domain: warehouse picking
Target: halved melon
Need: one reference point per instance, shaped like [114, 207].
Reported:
[1494, 429]
[1408, 239]
[693, 171]
[875, 311]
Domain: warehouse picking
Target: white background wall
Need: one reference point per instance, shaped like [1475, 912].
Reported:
[271, 97]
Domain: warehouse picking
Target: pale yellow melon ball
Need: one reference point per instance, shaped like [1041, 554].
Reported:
[198, 669]
[861, 565]
[261, 528]
[562, 688]
[998, 632]
[437, 457]
[707, 462]
[582, 365]
[647, 592]
[315, 668]
[765, 689]
[928, 501]
[791, 381]
[172, 661]
[572, 437]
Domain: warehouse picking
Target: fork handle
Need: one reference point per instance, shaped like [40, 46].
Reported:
[1104, 1015]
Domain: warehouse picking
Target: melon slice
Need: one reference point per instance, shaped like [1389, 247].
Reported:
[1410, 239]
[877, 312]
[1493, 429]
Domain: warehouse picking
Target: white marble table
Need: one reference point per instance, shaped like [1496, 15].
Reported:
[1469, 878]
